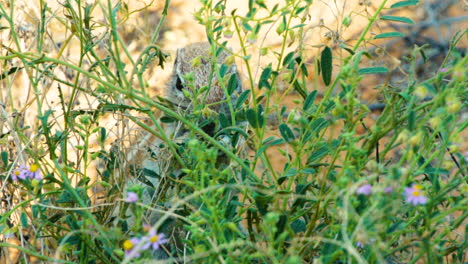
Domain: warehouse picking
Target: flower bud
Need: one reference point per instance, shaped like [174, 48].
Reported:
[435, 122]
[416, 139]
[454, 149]
[459, 73]
[251, 38]
[85, 119]
[421, 91]
[403, 136]
[228, 34]
[448, 164]
[347, 21]
[281, 28]
[453, 103]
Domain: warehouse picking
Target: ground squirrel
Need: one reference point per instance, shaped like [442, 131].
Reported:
[193, 70]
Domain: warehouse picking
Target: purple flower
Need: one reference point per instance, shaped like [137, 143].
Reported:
[415, 195]
[361, 244]
[34, 172]
[132, 197]
[131, 247]
[366, 189]
[443, 70]
[466, 156]
[155, 240]
[388, 190]
[20, 173]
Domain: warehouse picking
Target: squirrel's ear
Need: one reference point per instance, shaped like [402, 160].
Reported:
[176, 62]
[177, 56]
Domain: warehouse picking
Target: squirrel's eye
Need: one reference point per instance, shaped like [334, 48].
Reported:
[179, 85]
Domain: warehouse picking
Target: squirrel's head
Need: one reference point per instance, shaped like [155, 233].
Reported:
[197, 76]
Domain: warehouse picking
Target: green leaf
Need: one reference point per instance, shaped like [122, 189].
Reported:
[271, 141]
[149, 172]
[298, 87]
[232, 84]
[259, 99]
[298, 26]
[286, 132]
[65, 197]
[251, 117]
[302, 188]
[54, 218]
[349, 50]
[218, 28]
[433, 173]
[260, 118]
[281, 224]
[262, 202]
[300, 201]
[299, 10]
[319, 124]
[396, 226]
[5, 158]
[318, 154]
[231, 129]
[223, 121]
[398, 19]
[24, 220]
[389, 35]
[432, 170]
[308, 171]
[231, 209]
[223, 69]
[288, 58]
[326, 65]
[102, 135]
[167, 119]
[242, 98]
[309, 101]
[35, 210]
[303, 66]
[290, 172]
[72, 240]
[247, 27]
[264, 78]
[298, 226]
[404, 3]
[281, 179]
[372, 70]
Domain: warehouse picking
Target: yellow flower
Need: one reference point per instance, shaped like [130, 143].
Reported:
[34, 168]
[154, 239]
[127, 244]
